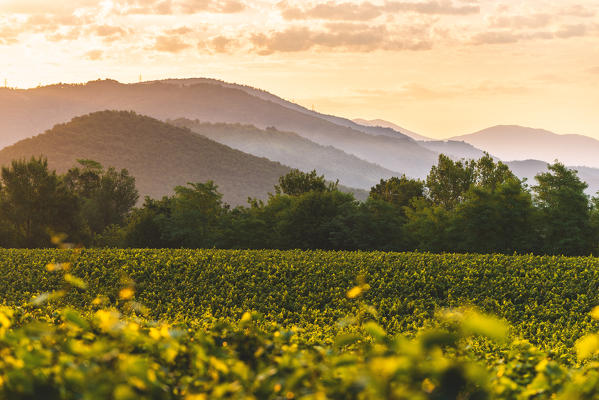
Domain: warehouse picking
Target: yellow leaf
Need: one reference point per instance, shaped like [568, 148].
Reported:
[587, 346]
[355, 292]
[126, 293]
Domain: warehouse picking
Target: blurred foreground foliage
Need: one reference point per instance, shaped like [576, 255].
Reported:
[81, 324]
[546, 300]
[112, 351]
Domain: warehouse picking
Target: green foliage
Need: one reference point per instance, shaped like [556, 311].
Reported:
[70, 343]
[398, 191]
[448, 181]
[35, 204]
[564, 209]
[546, 299]
[498, 219]
[107, 197]
[296, 183]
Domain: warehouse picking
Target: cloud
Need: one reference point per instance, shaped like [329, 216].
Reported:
[94, 55]
[521, 21]
[220, 44]
[332, 11]
[44, 6]
[439, 7]
[578, 10]
[570, 31]
[170, 44]
[170, 7]
[8, 37]
[417, 91]
[366, 11]
[343, 37]
[495, 37]
[514, 36]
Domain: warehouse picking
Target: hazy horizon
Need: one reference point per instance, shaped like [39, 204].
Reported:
[437, 67]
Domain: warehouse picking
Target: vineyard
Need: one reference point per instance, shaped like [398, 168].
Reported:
[199, 324]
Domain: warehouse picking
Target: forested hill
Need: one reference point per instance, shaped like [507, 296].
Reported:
[293, 150]
[159, 155]
[24, 113]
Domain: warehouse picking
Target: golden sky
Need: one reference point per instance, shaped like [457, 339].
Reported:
[436, 67]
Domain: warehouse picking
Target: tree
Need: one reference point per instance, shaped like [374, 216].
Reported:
[495, 219]
[147, 227]
[296, 183]
[107, 196]
[429, 227]
[308, 221]
[448, 181]
[564, 211]
[35, 204]
[398, 191]
[195, 213]
[489, 174]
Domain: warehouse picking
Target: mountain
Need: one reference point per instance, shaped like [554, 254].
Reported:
[293, 150]
[453, 148]
[264, 95]
[530, 168]
[23, 113]
[512, 142]
[381, 123]
[158, 155]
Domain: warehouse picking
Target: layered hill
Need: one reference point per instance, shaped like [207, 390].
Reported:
[381, 123]
[293, 150]
[371, 129]
[160, 156]
[512, 142]
[530, 168]
[454, 149]
[23, 113]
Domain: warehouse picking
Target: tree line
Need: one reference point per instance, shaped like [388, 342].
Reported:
[476, 206]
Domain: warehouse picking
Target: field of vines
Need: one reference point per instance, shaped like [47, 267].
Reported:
[212, 324]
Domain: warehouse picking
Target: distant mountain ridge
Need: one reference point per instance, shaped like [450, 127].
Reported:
[292, 150]
[375, 130]
[338, 147]
[381, 123]
[23, 113]
[158, 155]
[513, 142]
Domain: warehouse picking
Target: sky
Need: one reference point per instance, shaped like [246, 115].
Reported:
[437, 67]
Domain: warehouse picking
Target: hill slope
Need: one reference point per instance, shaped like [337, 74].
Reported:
[26, 112]
[453, 148]
[381, 123]
[530, 168]
[371, 129]
[293, 150]
[512, 142]
[160, 156]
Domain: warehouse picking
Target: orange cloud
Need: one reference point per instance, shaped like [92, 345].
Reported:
[170, 44]
[346, 11]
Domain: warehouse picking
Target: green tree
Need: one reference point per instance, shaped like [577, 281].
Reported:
[107, 196]
[35, 204]
[490, 174]
[429, 227]
[495, 219]
[147, 227]
[372, 225]
[296, 183]
[448, 181]
[308, 221]
[195, 214]
[565, 225]
[398, 191]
